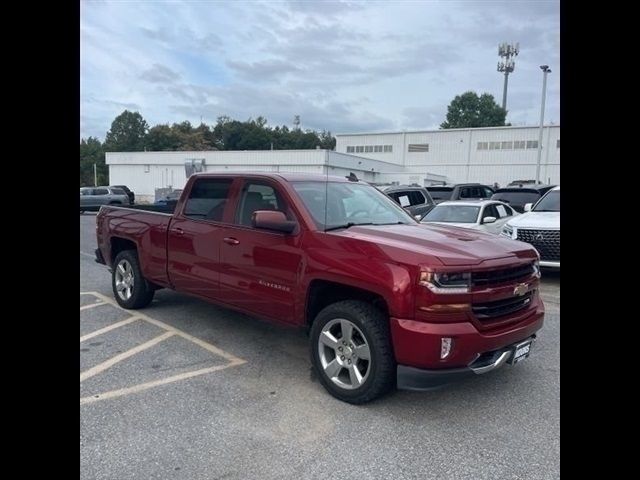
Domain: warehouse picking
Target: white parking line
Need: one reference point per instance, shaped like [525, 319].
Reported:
[124, 355]
[87, 254]
[85, 307]
[155, 383]
[169, 332]
[109, 328]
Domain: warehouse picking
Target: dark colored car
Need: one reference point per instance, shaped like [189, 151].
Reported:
[414, 199]
[440, 193]
[518, 196]
[92, 198]
[386, 301]
[130, 194]
[460, 191]
[471, 191]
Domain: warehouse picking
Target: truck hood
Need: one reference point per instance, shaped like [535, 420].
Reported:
[543, 220]
[450, 245]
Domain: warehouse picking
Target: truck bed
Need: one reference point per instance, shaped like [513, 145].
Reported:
[145, 226]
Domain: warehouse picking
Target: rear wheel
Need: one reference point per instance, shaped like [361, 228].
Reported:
[130, 288]
[351, 351]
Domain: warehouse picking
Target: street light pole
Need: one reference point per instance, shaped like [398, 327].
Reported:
[545, 70]
[95, 175]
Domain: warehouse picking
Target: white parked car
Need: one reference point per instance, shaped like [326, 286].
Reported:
[540, 227]
[486, 215]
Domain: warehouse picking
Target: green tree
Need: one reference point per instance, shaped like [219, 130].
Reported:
[471, 111]
[162, 138]
[91, 152]
[127, 134]
[327, 141]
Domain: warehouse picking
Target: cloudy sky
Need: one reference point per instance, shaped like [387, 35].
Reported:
[342, 66]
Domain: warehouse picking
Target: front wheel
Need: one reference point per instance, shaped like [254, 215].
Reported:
[130, 288]
[351, 351]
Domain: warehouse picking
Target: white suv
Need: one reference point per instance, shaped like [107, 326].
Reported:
[540, 227]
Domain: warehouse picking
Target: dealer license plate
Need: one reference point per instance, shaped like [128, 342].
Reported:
[521, 352]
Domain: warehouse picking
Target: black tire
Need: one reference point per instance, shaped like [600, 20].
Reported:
[374, 325]
[141, 293]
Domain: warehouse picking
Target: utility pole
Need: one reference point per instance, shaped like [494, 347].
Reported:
[95, 175]
[545, 69]
[507, 51]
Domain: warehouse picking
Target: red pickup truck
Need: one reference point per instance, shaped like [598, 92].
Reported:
[387, 301]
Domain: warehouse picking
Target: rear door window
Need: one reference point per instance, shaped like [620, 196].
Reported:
[100, 191]
[416, 198]
[208, 198]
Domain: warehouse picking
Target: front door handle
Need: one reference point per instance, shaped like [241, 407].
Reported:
[231, 240]
[178, 231]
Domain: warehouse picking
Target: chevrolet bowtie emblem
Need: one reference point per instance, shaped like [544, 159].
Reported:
[521, 289]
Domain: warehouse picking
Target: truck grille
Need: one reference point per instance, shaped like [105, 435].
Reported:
[484, 311]
[547, 242]
[495, 277]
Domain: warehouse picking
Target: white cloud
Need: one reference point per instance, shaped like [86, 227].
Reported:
[341, 66]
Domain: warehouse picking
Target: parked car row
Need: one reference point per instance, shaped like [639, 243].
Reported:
[92, 198]
[498, 211]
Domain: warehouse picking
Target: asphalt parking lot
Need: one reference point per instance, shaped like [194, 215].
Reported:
[186, 390]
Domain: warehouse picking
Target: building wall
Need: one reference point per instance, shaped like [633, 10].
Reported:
[144, 172]
[455, 154]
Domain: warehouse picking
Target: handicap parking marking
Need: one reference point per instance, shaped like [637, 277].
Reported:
[170, 331]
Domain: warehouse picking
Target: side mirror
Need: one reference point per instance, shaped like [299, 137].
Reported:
[527, 207]
[272, 220]
[489, 220]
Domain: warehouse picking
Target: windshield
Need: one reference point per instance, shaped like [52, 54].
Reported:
[440, 193]
[452, 214]
[349, 204]
[549, 203]
[516, 198]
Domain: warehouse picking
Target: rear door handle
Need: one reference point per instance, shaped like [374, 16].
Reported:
[231, 240]
[178, 231]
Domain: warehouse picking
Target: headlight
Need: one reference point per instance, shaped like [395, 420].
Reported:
[454, 282]
[507, 231]
[536, 268]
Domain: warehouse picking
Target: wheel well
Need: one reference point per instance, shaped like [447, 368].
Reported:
[323, 293]
[120, 244]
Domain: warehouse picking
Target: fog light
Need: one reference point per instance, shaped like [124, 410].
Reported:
[445, 347]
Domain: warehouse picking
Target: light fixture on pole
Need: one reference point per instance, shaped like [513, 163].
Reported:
[545, 70]
[507, 51]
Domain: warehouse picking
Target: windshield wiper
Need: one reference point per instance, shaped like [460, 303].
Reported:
[346, 225]
[546, 210]
[392, 223]
[352, 224]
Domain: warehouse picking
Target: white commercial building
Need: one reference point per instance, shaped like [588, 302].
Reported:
[487, 155]
[144, 172]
